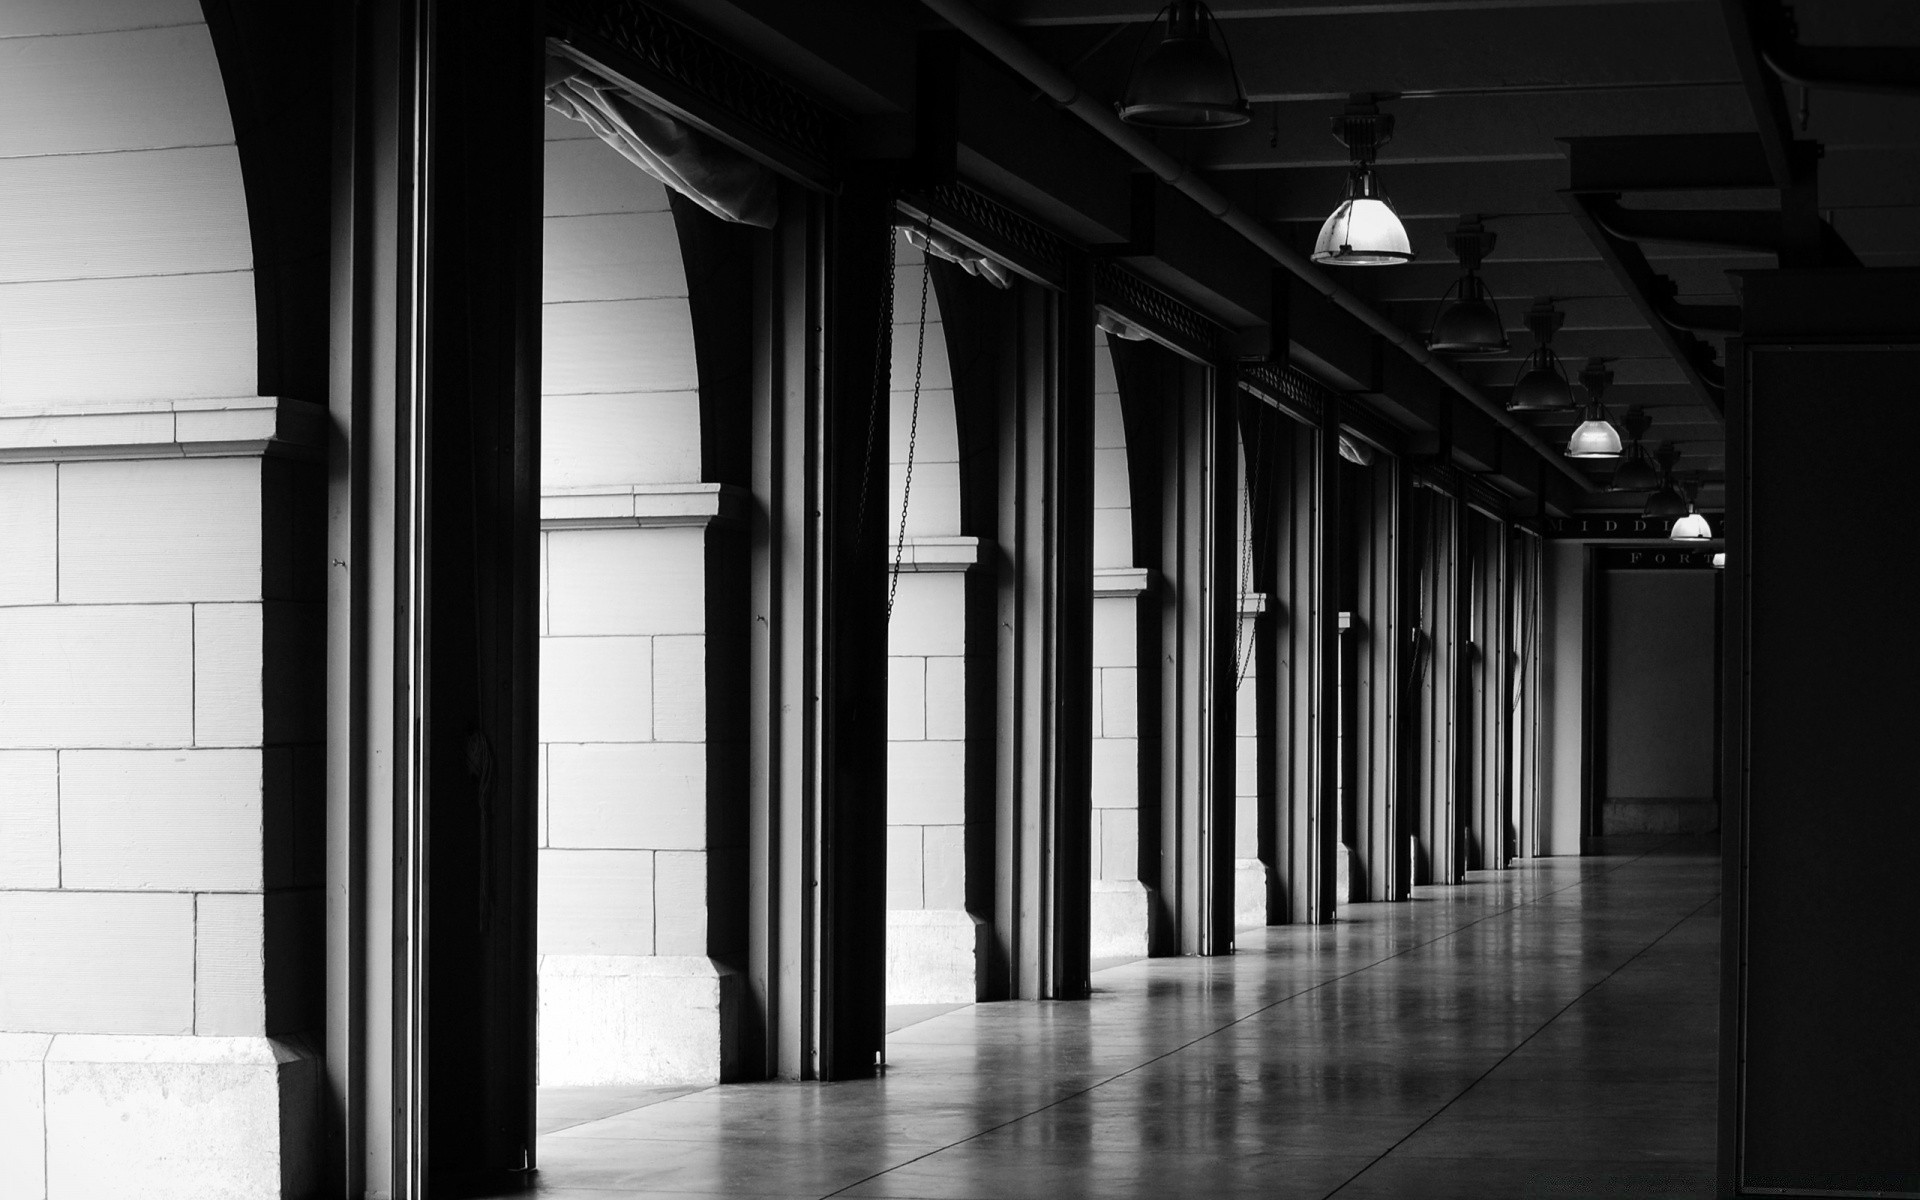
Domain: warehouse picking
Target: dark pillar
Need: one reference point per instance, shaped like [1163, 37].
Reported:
[1433, 747]
[1023, 396]
[1487, 837]
[1819, 1091]
[816, 931]
[431, 636]
[1376, 633]
[1181, 432]
[1301, 821]
[1525, 553]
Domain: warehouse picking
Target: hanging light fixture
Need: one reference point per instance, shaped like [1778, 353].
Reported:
[1363, 231]
[1692, 527]
[1186, 82]
[1471, 324]
[1542, 385]
[1636, 472]
[1666, 503]
[1596, 437]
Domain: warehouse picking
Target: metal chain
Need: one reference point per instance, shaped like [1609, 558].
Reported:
[913, 437]
[1252, 456]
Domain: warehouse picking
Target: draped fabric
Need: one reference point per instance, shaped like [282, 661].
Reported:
[708, 172]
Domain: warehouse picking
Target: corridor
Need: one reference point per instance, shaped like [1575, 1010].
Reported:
[1541, 1031]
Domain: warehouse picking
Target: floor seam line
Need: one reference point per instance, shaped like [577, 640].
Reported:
[1287, 999]
[1523, 1042]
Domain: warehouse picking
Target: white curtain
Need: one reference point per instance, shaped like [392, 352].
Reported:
[705, 170]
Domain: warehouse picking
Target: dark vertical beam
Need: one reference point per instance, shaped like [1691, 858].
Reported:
[1527, 616]
[1304, 821]
[1045, 721]
[1819, 831]
[432, 610]
[1198, 609]
[1486, 847]
[817, 838]
[1434, 743]
[1181, 431]
[1377, 633]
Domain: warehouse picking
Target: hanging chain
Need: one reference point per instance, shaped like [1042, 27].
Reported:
[882, 370]
[1242, 664]
[913, 437]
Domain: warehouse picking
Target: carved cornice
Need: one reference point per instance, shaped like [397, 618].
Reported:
[995, 229]
[703, 81]
[1158, 312]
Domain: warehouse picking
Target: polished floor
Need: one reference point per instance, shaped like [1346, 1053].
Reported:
[1542, 1031]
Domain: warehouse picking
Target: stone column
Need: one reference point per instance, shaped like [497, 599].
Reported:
[161, 622]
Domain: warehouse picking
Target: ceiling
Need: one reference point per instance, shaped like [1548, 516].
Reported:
[1486, 94]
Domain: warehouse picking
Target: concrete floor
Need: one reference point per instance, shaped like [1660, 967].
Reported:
[1542, 1031]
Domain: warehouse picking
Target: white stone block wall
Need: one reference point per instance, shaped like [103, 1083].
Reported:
[931, 940]
[1119, 901]
[160, 633]
[629, 993]
[1250, 874]
[160, 818]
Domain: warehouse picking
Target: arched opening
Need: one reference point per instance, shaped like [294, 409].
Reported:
[161, 604]
[637, 852]
[932, 936]
[1119, 910]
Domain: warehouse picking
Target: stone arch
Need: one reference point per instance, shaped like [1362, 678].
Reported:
[636, 776]
[931, 941]
[159, 603]
[1118, 908]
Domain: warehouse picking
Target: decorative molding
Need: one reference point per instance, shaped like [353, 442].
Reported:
[1288, 389]
[239, 427]
[703, 80]
[938, 554]
[1158, 312]
[1120, 581]
[1252, 604]
[994, 229]
[645, 506]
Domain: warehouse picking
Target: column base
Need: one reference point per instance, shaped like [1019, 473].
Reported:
[1249, 893]
[159, 1117]
[932, 956]
[629, 1019]
[1118, 919]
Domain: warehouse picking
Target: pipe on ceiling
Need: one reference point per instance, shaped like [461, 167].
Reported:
[1010, 50]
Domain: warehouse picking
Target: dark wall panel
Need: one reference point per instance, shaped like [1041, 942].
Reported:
[1822, 1041]
[1657, 662]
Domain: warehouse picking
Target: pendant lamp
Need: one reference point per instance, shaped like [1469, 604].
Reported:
[1186, 82]
[1542, 385]
[1470, 323]
[1666, 503]
[1692, 527]
[1596, 437]
[1636, 472]
[1363, 231]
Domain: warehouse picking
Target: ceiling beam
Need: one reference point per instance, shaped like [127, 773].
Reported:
[1108, 12]
[1464, 128]
[1474, 51]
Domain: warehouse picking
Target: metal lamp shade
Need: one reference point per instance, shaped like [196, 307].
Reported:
[1594, 439]
[1636, 472]
[1691, 528]
[1185, 82]
[1468, 326]
[1542, 389]
[1666, 504]
[1363, 232]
